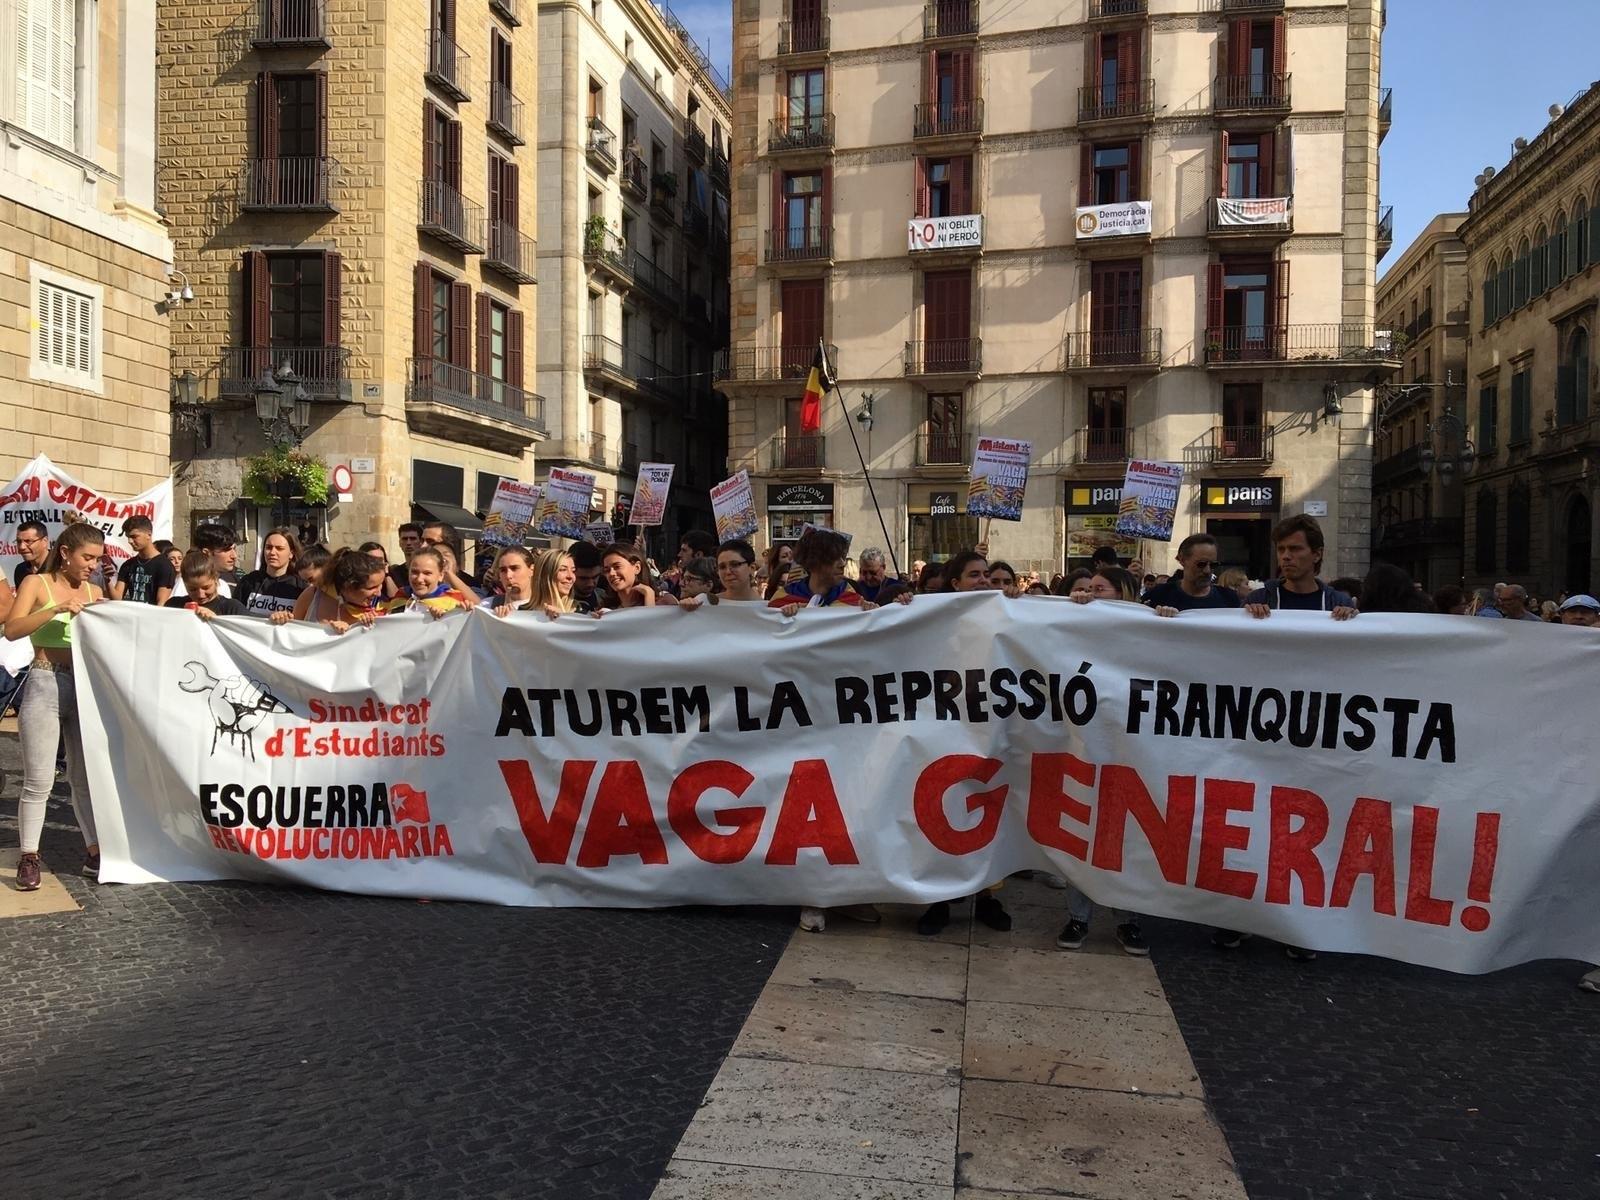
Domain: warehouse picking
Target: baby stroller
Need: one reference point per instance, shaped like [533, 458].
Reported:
[11, 690]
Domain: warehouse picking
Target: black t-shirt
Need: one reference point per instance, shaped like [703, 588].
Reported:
[263, 594]
[1324, 599]
[399, 575]
[143, 578]
[220, 605]
[1171, 595]
[24, 569]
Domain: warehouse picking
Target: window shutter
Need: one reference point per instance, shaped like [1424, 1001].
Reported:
[485, 347]
[961, 66]
[461, 325]
[332, 296]
[430, 152]
[510, 201]
[1136, 188]
[62, 62]
[1594, 230]
[447, 18]
[922, 206]
[1572, 244]
[258, 299]
[1222, 162]
[452, 154]
[961, 185]
[1280, 48]
[514, 349]
[1239, 53]
[1086, 194]
[1283, 147]
[422, 312]
[1128, 85]
[827, 197]
[1213, 301]
[266, 116]
[1091, 66]
[496, 164]
[1267, 168]
[930, 77]
[322, 113]
[1280, 305]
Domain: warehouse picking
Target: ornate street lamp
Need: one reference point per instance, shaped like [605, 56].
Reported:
[282, 405]
[1447, 448]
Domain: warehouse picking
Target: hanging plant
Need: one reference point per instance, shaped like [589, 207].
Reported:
[264, 475]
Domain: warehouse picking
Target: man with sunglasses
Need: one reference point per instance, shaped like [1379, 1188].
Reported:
[1193, 588]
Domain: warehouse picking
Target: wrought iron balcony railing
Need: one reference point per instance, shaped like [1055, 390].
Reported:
[431, 381]
[799, 244]
[505, 113]
[696, 224]
[321, 370]
[1241, 443]
[605, 250]
[937, 448]
[1125, 100]
[448, 65]
[656, 278]
[601, 353]
[1230, 344]
[1102, 444]
[451, 217]
[1113, 348]
[288, 184]
[950, 18]
[719, 167]
[1251, 5]
[768, 364]
[635, 175]
[284, 23]
[694, 141]
[807, 36]
[511, 252]
[601, 146]
[1117, 8]
[1252, 93]
[798, 452]
[944, 356]
[953, 118]
[812, 131]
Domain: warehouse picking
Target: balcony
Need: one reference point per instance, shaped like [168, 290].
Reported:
[1131, 349]
[656, 280]
[696, 224]
[940, 119]
[449, 216]
[288, 185]
[1422, 531]
[802, 37]
[941, 449]
[508, 11]
[1251, 93]
[600, 147]
[505, 114]
[1241, 443]
[1100, 9]
[771, 364]
[511, 252]
[944, 356]
[1397, 467]
[1582, 434]
[324, 371]
[635, 176]
[597, 450]
[950, 19]
[1252, 6]
[1385, 229]
[281, 24]
[662, 202]
[1095, 445]
[1130, 100]
[448, 65]
[1234, 345]
[607, 254]
[1385, 111]
[460, 405]
[800, 245]
[1250, 216]
[797, 452]
[607, 358]
[811, 132]
[719, 167]
[694, 141]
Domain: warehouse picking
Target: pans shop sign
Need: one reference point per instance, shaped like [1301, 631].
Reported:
[1249, 497]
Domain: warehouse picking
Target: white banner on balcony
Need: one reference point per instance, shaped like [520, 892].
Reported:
[1271, 210]
[1114, 220]
[945, 233]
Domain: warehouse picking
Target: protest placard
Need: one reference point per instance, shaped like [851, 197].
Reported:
[999, 478]
[1149, 499]
[510, 513]
[650, 494]
[734, 504]
[565, 506]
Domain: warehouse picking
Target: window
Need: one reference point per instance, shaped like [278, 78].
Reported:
[1243, 427]
[439, 312]
[297, 299]
[944, 186]
[1558, 250]
[805, 115]
[947, 320]
[1116, 310]
[1109, 173]
[1247, 306]
[292, 312]
[801, 216]
[441, 147]
[596, 110]
[439, 482]
[801, 312]
[1255, 63]
[499, 60]
[1488, 295]
[67, 315]
[1521, 404]
[946, 432]
[1107, 415]
[442, 334]
[503, 193]
[948, 85]
[290, 139]
[1519, 277]
[1519, 529]
[1578, 248]
[1502, 298]
[53, 54]
[1113, 74]
[1572, 379]
[1537, 274]
[1249, 166]
[627, 46]
[1487, 519]
[1488, 417]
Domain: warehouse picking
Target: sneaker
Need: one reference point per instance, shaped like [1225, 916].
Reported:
[1228, 939]
[28, 873]
[988, 909]
[867, 914]
[934, 919]
[1131, 938]
[1591, 981]
[813, 920]
[1051, 880]
[1072, 935]
[91, 866]
[1300, 953]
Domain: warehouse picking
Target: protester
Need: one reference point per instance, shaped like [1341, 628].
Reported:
[918, 565]
[221, 543]
[513, 566]
[588, 593]
[820, 553]
[391, 589]
[1003, 578]
[1079, 585]
[1482, 604]
[1388, 589]
[1450, 600]
[966, 572]
[780, 558]
[548, 588]
[1550, 612]
[1298, 543]
[736, 572]
[1036, 588]
[410, 537]
[1193, 588]
[274, 586]
[202, 590]
[147, 577]
[33, 544]
[1236, 580]
[696, 543]
[870, 574]
[443, 536]
[348, 593]
[427, 590]
[174, 555]
[46, 604]
[930, 579]
[1510, 603]
[625, 574]
[697, 579]
[1104, 556]
[1582, 609]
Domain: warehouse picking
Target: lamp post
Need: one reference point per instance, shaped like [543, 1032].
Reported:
[284, 409]
[1447, 448]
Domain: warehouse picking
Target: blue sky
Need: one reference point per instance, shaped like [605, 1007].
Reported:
[1468, 77]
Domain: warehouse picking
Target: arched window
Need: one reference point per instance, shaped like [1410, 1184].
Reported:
[1519, 529]
[1538, 276]
[1488, 295]
[1583, 252]
[1558, 249]
[1572, 379]
[1502, 299]
[1487, 518]
[1519, 277]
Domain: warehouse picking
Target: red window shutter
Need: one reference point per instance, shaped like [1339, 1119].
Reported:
[332, 296]
[266, 116]
[430, 151]
[1086, 194]
[776, 222]
[485, 348]
[514, 349]
[1239, 51]
[1128, 65]
[1280, 45]
[510, 201]
[1091, 65]
[447, 18]
[496, 165]
[1214, 274]
[1136, 190]
[452, 154]
[930, 78]
[322, 114]
[422, 312]
[1266, 169]
[961, 185]
[1222, 162]
[258, 299]
[461, 325]
[961, 67]
[923, 204]
[785, 114]
[1280, 297]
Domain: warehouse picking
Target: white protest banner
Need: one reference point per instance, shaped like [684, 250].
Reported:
[733, 502]
[510, 513]
[566, 503]
[599, 533]
[945, 233]
[1272, 210]
[1113, 220]
[1149, 504]
[1278, 776]
[999, 478]
[650, 494]
[44, 492]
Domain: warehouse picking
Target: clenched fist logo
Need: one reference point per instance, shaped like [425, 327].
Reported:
[238, 704]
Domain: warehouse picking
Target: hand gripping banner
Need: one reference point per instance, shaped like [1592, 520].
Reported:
[1337, 785]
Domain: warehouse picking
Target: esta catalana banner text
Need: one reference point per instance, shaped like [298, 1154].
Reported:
[1338, 785]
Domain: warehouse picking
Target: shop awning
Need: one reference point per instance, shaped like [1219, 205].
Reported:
[453, 514]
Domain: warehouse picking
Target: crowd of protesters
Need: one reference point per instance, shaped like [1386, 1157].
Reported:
[355, 586]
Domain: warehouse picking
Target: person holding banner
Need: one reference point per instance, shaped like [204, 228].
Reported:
[554, 576]
[348, 592]
[588, 593]
[514, 568]
[697, 581]
[624, 569]
[779, 561]
[1193, 588]
[736, 571]
[274, 586]
[821, 554]
[427, 590]
[1298, 543]
[43, 612]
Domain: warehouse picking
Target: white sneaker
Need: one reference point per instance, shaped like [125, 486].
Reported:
[1051, 880]
[813, 920]
[1591, 981]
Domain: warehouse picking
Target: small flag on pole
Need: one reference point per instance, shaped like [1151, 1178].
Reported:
[818, 384]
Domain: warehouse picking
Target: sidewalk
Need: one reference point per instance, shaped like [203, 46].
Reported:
[880, 1065]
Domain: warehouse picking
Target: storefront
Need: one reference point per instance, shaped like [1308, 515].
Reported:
[1240, 514]
[1092, 521]
[938, 526]
[791, 506]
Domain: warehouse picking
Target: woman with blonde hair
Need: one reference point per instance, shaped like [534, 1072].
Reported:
[553, 577]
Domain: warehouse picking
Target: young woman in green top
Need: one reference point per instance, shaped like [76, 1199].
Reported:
[43, 613]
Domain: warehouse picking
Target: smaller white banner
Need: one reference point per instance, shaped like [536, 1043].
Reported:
[1271, 210]
[945, 233]
[1114, 220]
[733, 503]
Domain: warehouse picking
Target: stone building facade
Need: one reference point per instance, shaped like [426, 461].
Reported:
[84, 255]
[1114, 228]
[1533, 261]
[1424, 413]
[633, 195]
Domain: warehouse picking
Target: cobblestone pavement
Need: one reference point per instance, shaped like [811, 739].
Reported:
[1353, 1077]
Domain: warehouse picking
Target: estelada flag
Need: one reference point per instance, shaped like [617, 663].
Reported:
[818, 383]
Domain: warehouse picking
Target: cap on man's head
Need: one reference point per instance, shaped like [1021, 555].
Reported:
[1581, 600]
